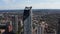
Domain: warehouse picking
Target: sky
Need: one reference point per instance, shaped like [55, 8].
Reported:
[36, 4]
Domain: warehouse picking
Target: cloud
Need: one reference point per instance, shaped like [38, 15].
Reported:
[49, 1]
[46, 6]
[34, 6]
[37, 5]
[11, 7]
[8, 1]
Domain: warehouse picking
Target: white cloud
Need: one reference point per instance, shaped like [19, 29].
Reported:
[34, 6]
[49, 1]
[8, 1]
[18, 6]
[46, 6]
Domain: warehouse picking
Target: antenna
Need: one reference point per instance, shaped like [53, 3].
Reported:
[28, 3]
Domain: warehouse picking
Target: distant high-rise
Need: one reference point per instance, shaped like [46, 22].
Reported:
[58, 29]
[27, 20]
